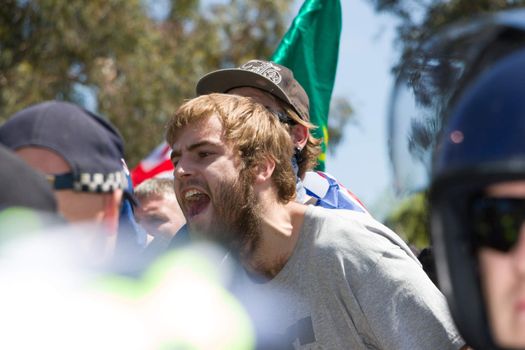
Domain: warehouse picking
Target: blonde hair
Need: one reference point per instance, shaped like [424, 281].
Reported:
[253, 131]
[161, 187]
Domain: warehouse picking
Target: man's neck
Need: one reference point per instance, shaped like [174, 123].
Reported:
[280, 228]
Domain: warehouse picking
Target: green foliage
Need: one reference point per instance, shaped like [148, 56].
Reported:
[420, 18]
[138, 67]
[411, 221]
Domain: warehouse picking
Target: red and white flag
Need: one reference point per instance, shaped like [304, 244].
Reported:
[156, 164]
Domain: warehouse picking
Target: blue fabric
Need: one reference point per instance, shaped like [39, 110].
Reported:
[299, 188]
[131, 234]
[336, 197]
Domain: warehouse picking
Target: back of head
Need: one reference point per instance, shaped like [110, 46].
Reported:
[249, 128]
[27, 202]
[90, 145]
[22, 187]
[81, 154]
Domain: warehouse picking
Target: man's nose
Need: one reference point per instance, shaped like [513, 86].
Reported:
[183, 168]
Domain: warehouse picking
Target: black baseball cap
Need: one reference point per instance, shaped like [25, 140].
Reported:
[265, 75]
[21, 186]
[88, 143]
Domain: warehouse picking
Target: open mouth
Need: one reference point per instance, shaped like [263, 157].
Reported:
[196, 202]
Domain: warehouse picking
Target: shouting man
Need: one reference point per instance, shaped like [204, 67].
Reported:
[337, 278]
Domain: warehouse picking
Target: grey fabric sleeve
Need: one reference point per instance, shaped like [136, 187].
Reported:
[403, 308]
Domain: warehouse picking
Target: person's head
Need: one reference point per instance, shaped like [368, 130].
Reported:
[275, 87]
[497, 219]
[27, 202]
[477, 194]
[21, 186]
[78, 151]
[228, 153]
[158, 211]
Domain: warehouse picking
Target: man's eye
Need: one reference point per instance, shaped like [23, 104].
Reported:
[204, 154]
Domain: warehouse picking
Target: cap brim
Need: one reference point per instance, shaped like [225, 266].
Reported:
[224, 80]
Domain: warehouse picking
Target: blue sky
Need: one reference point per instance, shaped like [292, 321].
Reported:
[365, 57]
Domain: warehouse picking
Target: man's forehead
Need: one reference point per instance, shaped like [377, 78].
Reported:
[208, 131]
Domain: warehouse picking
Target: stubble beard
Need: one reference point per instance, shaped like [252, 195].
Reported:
[237, 219]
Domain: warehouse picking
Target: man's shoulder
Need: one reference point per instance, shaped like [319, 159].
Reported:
[359, 231]
[344, 218]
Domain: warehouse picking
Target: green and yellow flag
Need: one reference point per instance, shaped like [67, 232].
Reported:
[310, 49]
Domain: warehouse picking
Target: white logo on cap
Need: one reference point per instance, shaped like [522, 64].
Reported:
[266, 69]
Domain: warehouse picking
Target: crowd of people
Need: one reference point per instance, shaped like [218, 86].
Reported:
[246, 246]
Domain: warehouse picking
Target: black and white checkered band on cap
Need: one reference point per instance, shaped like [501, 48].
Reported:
[85, 182]
[100, 183]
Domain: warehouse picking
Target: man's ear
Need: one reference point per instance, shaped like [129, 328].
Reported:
[299, 135]
[264, 170]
